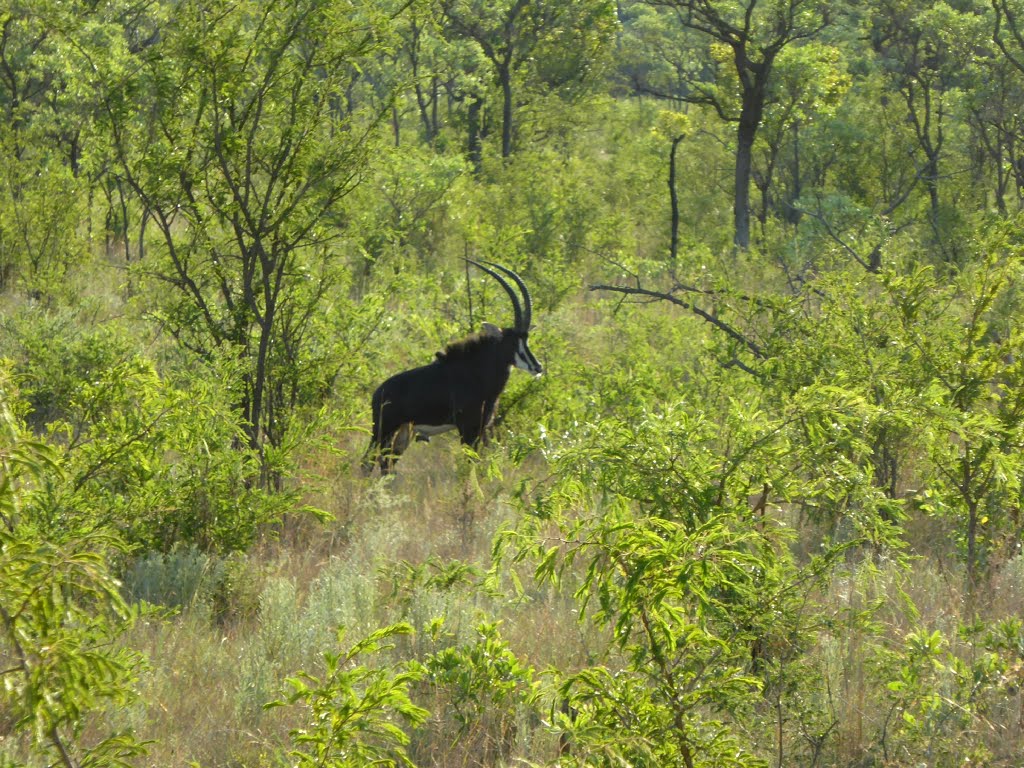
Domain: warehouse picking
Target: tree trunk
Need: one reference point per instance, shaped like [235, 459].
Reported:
[435, 95]
[424, 105]
[674, 198]
[473, 147]
[793, 210]
[741, 204]
[971, 500]
[505, 76]
[754, 89]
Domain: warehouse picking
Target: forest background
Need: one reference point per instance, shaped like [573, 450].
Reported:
[763, 507]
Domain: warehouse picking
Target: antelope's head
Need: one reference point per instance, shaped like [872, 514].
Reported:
[518, 334]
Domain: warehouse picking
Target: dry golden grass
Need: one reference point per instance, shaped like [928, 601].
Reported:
[210, 673]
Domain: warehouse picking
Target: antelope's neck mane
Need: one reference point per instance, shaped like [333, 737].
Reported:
[467, 347]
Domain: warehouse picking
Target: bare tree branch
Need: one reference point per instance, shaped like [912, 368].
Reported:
[717, 322]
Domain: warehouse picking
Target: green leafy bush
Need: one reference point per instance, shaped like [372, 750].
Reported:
[165, 464]
[483, 689]
[61, 618]
[352, 708]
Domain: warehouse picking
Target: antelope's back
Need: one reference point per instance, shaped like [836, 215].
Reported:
[416, 395]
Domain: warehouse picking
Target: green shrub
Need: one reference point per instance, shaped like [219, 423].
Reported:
[61, 617]
[352, 709]
[481, 693]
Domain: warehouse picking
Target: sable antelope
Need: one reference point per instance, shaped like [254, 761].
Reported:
[459, 389]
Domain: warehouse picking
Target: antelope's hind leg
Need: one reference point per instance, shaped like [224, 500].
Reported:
[393, 446]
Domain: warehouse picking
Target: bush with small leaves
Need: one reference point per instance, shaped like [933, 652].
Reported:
[61, 614]
[353, 707]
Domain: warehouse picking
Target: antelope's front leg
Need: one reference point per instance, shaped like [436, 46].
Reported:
[471, 427]
[486, 417]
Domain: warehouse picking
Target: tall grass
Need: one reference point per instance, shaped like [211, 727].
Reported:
[238, 626]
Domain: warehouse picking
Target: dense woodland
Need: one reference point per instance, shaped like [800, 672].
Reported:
[763, 508]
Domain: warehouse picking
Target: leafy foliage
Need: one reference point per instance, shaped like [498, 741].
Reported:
[61, 617]
[158, 463]
[485, 689]
[351, 708]
[764, 505]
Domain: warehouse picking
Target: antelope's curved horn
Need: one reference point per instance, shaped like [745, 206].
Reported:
[516, 307]
[527, 314]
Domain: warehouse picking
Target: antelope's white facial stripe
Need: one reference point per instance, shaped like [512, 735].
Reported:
[525, 360]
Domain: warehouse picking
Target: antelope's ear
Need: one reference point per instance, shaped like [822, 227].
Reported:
[491, 330]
